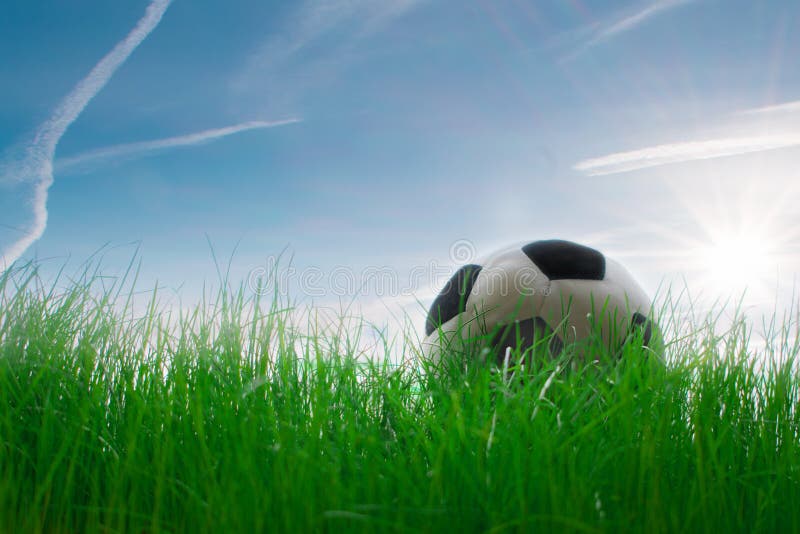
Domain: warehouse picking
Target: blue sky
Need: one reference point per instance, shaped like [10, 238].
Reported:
[362, 133]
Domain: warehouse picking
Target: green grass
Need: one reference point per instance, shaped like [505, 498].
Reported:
[231, 419]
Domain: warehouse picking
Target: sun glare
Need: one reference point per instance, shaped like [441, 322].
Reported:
[737, 262]
[735, 238]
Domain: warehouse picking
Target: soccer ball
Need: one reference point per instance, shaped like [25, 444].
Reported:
[544, 295]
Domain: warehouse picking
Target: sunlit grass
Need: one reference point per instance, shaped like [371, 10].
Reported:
[230, 418]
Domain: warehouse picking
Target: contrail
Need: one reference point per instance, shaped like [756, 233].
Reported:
[312, 21]
[686, 151]
[143, 147]
[637, 18]
[786, 107]
[37, 163]
[624, 24]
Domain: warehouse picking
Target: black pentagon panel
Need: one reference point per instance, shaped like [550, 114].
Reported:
[565, 260]
[524, 335]
[640, 321]
[453, 298]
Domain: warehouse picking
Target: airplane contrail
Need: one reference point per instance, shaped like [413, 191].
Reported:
[785, 107]
[624, 24]
[143, 147]
[655, 156]
[37, 162]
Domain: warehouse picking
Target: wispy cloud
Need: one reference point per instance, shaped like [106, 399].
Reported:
[685, 151]
[786, 107]
[343, 22]
[624, 23]
[144, 147]
[36, 165]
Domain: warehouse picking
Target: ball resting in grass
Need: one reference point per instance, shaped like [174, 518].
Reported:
[537, 299]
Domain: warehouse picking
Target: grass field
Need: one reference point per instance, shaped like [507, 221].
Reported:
[230, 419]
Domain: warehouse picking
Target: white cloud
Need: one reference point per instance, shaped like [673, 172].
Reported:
[631, 21]
[786, 107]
[624, 23]
[313, 21]
[36, 164]
[144, 147]
[685, 151]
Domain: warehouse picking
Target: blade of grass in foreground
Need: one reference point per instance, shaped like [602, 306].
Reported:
[230, 417]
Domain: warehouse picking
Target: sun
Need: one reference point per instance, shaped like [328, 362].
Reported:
[734, 233]
[739, 261]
